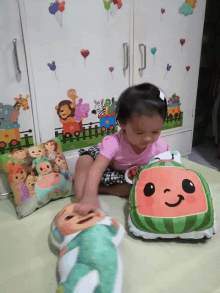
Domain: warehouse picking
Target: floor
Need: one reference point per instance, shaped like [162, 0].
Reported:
[206, 154]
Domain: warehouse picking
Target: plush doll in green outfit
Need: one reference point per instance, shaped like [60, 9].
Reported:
[89, 261]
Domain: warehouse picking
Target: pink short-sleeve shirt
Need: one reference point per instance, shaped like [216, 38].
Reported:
[116, 147]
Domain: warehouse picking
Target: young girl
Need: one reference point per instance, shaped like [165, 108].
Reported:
[141, 112]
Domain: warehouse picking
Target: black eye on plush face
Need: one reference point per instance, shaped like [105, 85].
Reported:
[48, 167]
[69, 217]
[149, 189]
[41, 168]
[188, 186]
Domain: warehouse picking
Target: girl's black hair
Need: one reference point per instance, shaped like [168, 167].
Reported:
[143, 99]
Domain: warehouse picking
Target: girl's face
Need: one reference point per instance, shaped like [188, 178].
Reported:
[143, 130]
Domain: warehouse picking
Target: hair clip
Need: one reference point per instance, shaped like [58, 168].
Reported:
[162, 95]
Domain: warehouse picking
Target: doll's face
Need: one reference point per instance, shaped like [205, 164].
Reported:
[61, 163]
[31, 181]
[69, 222]
[36, 151]
[19, 155]
[19, 177]
[50, 146]
[44, 168]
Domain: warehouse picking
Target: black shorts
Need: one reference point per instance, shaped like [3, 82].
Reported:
[110, 176]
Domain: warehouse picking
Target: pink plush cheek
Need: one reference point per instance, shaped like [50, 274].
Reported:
[149, 201]
[190, 199]
[68, 225]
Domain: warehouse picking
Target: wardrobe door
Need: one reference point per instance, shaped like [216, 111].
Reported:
[171, 32]
[79, 58]
[16, 120]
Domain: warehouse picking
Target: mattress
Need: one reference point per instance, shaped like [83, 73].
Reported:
[29, 261]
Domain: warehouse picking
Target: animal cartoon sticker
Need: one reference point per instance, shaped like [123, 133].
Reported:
[66, 112]
[187, 7]
[81, 111]
[71, 93]
[106, 113]
[9, 127]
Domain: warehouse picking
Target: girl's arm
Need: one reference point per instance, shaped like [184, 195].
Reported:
[90, 201]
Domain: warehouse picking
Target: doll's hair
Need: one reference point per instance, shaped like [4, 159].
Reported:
[142, 99]
[54, 143]
[15, 169]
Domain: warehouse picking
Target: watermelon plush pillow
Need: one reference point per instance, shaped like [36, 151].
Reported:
[37, 175]
[168, 201]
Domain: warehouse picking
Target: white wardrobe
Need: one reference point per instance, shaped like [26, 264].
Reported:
[125, 42]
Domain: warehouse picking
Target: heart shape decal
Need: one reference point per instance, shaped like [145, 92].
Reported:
[162, 10]
[153, 50]
[84, 53]
[111, 69]
[187, 68]
[182, 41]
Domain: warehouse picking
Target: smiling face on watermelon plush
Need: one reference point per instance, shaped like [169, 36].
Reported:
[167, 199]
[169, 192]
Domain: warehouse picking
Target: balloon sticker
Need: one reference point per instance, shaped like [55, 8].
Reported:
[153, 51]
[52, 67]
[182, 42]
[162, 12]
[113, 6]
[168, 69]
[187, 7]
[85, 53]
[187, 69]
[107, 6]
[57, 9]
[111, 69]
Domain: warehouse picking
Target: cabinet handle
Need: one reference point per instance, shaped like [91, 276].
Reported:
[16, 55]
[125, 46]
[140, 45]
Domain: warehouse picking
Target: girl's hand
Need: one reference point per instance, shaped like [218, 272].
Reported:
[85, 209]
[115, 223]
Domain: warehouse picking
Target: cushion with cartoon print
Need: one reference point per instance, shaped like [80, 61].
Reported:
[168, 201]
[37, 175]
[89, 259]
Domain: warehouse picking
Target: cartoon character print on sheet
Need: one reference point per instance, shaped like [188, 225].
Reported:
[167, 200]
[89, 259]
[48, 182]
